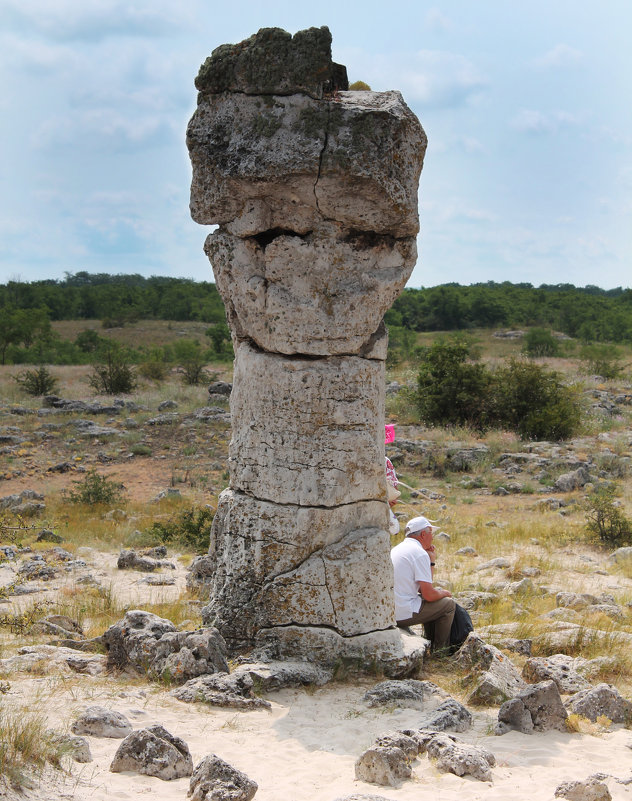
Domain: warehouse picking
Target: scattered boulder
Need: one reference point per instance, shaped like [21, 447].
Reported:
[621, 555]
[200, 573]
[576, 479]
[408, 693]
[493, 676]
[65, 660]
[216, 780]
[575, 600]
[97, 721]
[399, 739]
[591, 789]
[77, 747]
[451, 755]
[558, 668]
[221, 689]
[153, 752]
[449, 716]
[604, 699]
[498, 562]
[46, 535]
[385, 765]
[220, 388]
[538, 708]
[36, 569]
[130, 560]
[151, 644]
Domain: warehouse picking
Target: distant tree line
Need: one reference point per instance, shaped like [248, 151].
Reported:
[116, 298]
[589, 314]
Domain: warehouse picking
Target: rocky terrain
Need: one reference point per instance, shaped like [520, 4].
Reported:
[544, 686]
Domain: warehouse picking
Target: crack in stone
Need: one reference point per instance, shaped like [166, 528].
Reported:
[320, 160]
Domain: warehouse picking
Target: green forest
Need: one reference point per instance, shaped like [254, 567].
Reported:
[27, 310]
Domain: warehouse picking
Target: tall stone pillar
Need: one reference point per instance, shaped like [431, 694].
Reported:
[314, 189]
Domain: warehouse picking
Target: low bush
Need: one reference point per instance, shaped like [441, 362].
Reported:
[540, 342]
[605, 518]
[453, 389]
[602, 359]
[36, 382]
[191, 527]
[113, 375]
[94, 489]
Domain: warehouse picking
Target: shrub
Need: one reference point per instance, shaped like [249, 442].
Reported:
[451, 390]
[153, 370]
[94, 489]
[533, 401]
[114, 375]
[605, 518]
[36, 382]
[540, 342]
[190, 527]
[602, 359]
[359, 86]
[191, 360]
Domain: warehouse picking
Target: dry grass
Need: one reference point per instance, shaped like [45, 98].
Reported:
[26, 746]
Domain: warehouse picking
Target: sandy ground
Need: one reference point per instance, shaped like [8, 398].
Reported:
[304, 747]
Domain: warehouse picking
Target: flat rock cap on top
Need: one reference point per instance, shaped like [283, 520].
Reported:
[274, 62]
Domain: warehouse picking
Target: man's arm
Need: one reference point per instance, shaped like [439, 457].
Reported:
[431, 593]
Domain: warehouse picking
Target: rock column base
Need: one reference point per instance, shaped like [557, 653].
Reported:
[391, 652]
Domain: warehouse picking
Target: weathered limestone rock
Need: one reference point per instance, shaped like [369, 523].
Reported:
[453, 756]
[221, 689]
[306, 293]
[153, 752]
[314, 442]
[151, 644]
[406, 693]
[97, 721]
[449, 716]
[591, 789]
[216, 780]
[383, 764]
[493, 677]
[604, 699]
[558, 668]
[314, 190]
[538, 708]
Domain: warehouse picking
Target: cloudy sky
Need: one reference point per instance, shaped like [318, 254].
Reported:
[528, 174]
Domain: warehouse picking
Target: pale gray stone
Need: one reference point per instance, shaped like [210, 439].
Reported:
[405, 693]
[97, 721]
[276, 289]
[54, 659]
[498, 562]
[315, 442]
[493, 678]
[78, 748]
[315, 192]
[604, 699]
[451, 755]
[399, 739]
[392, 651]
[153, 752]
[449, 716]
[575, 600]
[573, 480]
[621, 555]
[558, 668]
[214, 779]
[254, 572]
[150, 644]
[288, 164]
[537, 708]
[221, 689]
[385, 765]
[590, 789]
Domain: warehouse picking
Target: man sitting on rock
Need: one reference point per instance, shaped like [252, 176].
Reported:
[417, 600]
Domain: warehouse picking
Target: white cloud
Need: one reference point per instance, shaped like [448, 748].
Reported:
[440, 79]
[537, 122]
[94, 20]
[103, 129]
[559, 56]
[437, 21]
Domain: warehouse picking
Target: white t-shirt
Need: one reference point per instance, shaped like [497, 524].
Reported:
[411, 564]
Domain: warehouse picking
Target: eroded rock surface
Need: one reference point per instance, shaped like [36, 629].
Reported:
[314, 189]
